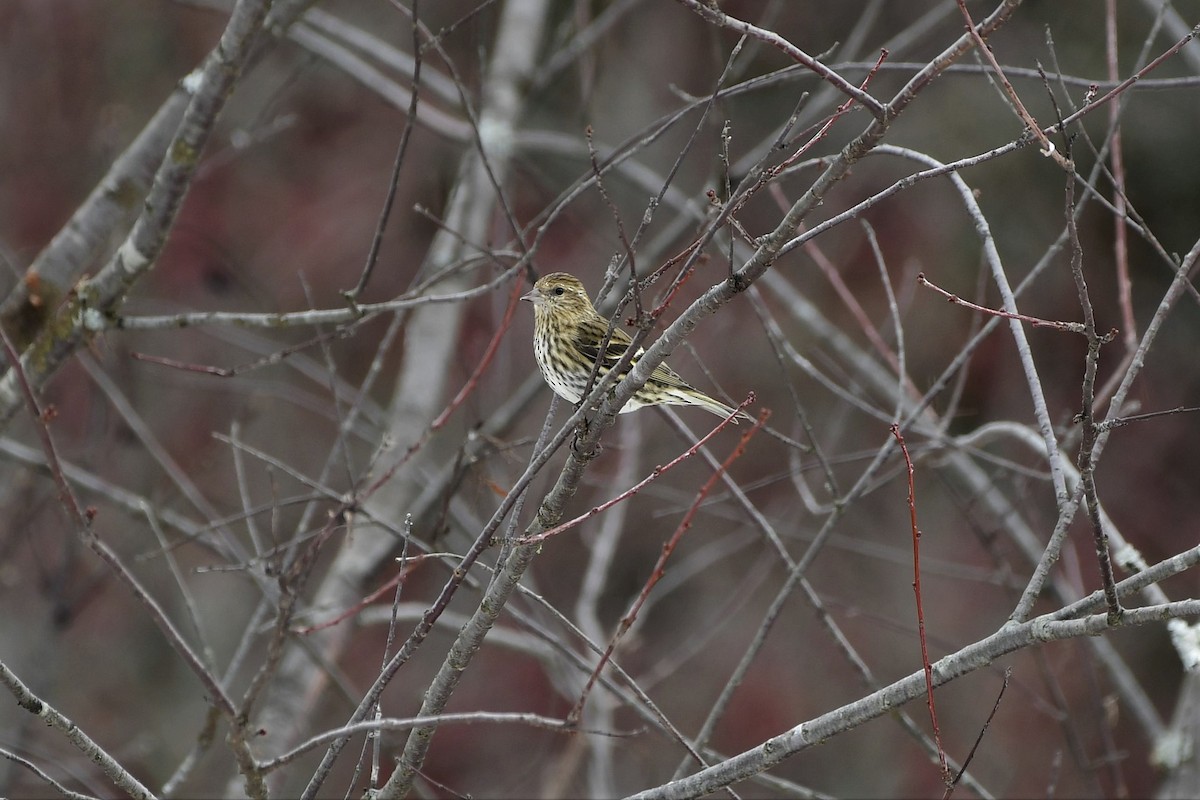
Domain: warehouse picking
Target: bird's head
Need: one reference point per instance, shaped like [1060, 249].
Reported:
[561, 295]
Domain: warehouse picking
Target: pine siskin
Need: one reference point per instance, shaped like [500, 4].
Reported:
[567, 333]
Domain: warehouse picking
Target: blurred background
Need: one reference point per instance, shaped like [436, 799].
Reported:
[212, 465]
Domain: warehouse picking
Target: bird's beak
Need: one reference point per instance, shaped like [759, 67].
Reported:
[533, 296]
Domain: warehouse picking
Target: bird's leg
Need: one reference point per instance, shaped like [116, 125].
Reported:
[581, 431]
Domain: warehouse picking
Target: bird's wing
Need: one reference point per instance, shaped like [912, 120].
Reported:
[588, 339]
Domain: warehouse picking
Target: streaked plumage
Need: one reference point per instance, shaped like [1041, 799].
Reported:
[567, 333]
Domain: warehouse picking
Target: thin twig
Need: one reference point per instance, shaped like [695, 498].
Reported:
[824, 128]
[713, 14]
[974, 747]
[485, 360]
[1117, 422]
[1031, 124]
[1037, 322]
[916, 546]
[654, 475]
[410, 122]
[1121, 87]
[1087, 454]
[659, 569]
[1117, 158]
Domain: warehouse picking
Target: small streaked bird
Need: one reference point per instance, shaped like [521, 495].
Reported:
[567, 333]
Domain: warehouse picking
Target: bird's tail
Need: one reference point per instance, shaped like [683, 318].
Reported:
[701, 400]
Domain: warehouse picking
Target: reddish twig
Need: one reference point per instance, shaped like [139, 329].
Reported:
[680, 280]
[632, 490]
[1030, 123]
[409, 565]
[715, 15]
[823, 131]
[1120, 88]
[1117, 159]
[925, 664]
[42, 418]
[668, 548]
[774, 172]
[484, 362]
[860, 315]
[1037, 322]
[463, 393]
[686, 252]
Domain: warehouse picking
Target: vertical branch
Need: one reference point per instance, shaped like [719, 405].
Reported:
[1086, 416]
[926, 667]
[1117, 158]
[410, 122]
[602, 765]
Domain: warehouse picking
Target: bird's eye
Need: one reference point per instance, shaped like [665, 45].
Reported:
[558, 290]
